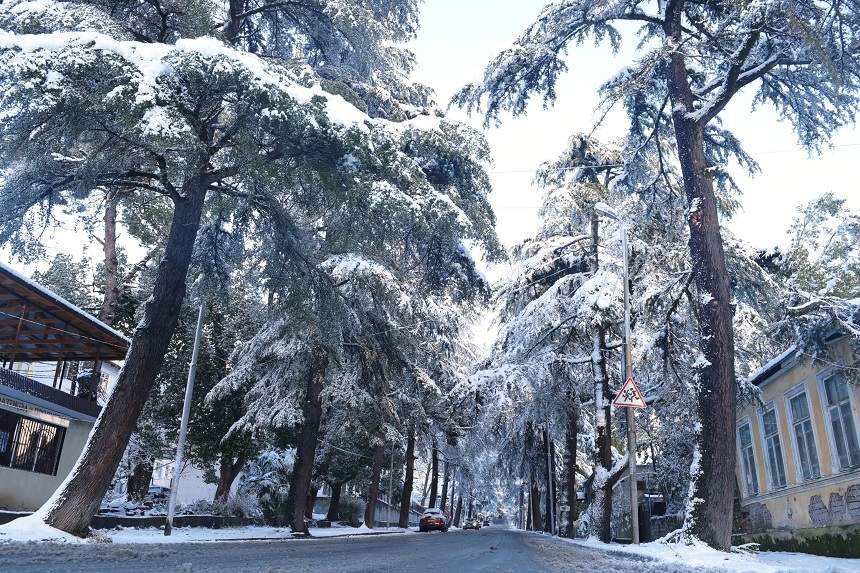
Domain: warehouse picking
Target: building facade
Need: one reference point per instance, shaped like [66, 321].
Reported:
[46, 411]
[798, 449]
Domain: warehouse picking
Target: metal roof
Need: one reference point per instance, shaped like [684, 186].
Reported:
[39, 325]
[772, 367]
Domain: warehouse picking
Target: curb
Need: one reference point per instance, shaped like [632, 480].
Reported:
[293, 537]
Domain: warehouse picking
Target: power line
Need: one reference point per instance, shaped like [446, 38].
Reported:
[327, 443]
[51, 327]
[606, 165]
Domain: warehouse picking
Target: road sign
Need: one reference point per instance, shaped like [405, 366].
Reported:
[629, 396]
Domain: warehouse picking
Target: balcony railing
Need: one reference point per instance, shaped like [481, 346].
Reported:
[46, 393]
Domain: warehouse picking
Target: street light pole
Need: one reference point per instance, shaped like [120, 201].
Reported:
[183, 425]
[631, 413]
[628, 374]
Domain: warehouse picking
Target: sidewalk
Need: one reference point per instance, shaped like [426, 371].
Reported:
[700, 555]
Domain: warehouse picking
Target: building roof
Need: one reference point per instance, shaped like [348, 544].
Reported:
[39, 325]
[785, 360]
[773, 366]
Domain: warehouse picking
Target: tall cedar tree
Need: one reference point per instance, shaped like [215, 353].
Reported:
[693, 59]
[219, 132]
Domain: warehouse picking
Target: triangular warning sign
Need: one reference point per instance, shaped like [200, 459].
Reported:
[629, 396]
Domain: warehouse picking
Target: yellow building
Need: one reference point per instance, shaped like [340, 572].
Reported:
[798, 450]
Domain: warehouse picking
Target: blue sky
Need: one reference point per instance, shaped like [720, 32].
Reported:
[459, 37]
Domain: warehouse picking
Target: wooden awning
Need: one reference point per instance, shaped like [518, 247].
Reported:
[38, 325]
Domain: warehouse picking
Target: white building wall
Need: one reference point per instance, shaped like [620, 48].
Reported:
[192, 486]
[22, 490]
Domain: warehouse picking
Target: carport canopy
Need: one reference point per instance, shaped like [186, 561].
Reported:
[39, 325]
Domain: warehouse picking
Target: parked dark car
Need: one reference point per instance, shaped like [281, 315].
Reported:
[157, 492]
[486, 523]
[472, 524]
[433, 520]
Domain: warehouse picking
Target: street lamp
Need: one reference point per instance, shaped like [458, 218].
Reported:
[183, 424]
[607, 211]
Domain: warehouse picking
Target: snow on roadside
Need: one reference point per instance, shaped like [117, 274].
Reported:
[32, 528]
[700, 555]
[203, 535]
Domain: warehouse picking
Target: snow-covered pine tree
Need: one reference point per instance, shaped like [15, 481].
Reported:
[71, 279]
[90, 103]
[548, 304]
[357, 339]
[820, 271]
[411, 241]
[693, 58]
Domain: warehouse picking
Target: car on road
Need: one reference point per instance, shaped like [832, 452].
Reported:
[472, 524]
[486, 523]
[433, 520]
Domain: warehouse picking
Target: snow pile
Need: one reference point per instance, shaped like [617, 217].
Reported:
[33, 529]
[699, 555]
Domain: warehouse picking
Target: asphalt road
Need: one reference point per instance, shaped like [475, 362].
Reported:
[492, 549]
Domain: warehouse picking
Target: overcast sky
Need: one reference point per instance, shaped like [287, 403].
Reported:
[459, 37]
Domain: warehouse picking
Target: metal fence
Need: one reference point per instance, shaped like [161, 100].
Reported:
[44, 392]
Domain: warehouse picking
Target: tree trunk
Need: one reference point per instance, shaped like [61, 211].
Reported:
[444, 502]
[408, 478]
[306, 451]
[73, 505]
[334, 502]
[138, 482]
[601, 504]
[452, 496]
[520, 523]
[228, 471]
[425, 491]
[570, 466]
[373, 494]
[434, 480]
[111, 263]
[537, 521]
[458, 512]
[711, 520]
[529, 506]
[234, 22]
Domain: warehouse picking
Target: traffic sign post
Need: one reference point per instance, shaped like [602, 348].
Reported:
[629, 396]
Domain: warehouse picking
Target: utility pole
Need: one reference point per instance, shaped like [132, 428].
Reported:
[549, 485]
[628, 375]
[391, 486]
[631, 413]
[183, 425]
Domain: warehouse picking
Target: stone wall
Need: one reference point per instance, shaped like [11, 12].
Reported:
[841, 541]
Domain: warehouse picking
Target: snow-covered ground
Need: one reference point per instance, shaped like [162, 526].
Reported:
[701, 555]
[29, 529]
[202, 535]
